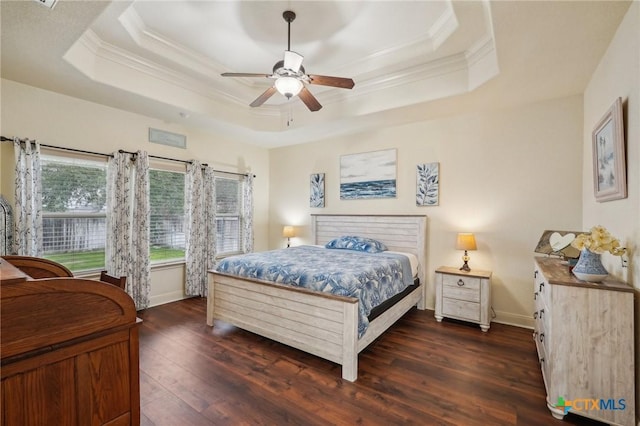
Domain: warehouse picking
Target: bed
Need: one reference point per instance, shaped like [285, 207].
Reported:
[317, 322]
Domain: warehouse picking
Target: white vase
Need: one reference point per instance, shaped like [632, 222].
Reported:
[589, 267]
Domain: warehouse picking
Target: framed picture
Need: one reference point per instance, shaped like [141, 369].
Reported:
[609, 166]
[316, 190]
[368, 175]
[427, 184]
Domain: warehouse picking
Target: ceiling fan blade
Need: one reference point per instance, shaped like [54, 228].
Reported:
[309, 100]
[263, 98]
[325, 80]
[292, 60]
[243, 74]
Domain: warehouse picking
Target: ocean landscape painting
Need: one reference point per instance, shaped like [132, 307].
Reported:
[368, 175]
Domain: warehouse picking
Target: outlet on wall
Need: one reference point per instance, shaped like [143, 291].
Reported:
[625, 260]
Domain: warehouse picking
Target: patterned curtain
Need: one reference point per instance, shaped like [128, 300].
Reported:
[200, 227]
[140, 237]
[28, 199]
[210, 219]
[247, 220]
[127, 250]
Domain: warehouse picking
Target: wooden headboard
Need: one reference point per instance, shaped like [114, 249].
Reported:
[406, 233]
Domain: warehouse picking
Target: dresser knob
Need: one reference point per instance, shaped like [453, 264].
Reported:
[541, 337]
[541, 287]
[535, 315]
[460, 283]
[541, 313]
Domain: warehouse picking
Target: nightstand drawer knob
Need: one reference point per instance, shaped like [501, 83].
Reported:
[460, 283]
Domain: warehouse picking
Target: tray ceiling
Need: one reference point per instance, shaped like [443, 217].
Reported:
[164, 58]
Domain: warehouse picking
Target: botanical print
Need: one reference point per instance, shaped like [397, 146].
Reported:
[609, 164]
[316, 197]
[606, 158]
[427, 184]
[368, 175]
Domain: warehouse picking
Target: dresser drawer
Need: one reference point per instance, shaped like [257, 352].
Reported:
[461, 309]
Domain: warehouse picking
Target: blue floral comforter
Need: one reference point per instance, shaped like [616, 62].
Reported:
[371, 277]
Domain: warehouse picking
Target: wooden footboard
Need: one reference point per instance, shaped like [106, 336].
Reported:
[315, 322]
[318, 323]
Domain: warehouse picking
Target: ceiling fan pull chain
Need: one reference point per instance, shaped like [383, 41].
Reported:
[290, 116]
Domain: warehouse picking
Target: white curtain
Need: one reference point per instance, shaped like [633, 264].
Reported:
[200, 227]
[127, 250]
[247, 232]
[28, 198]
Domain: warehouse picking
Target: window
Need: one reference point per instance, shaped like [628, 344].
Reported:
[166, 200]
[74, 211]
[228, 215]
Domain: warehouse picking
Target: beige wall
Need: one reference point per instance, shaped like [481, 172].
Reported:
[506, 175]
[618, 75]
[73, 123]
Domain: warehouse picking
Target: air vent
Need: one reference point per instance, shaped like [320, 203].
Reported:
[48, 3]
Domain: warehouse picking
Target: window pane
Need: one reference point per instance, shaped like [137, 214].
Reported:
[228, 215]
[167, 215]
[74, 211]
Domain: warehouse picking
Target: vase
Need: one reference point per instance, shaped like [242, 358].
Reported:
[589, 267]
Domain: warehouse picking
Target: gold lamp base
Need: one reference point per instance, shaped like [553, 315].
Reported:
[465, 265]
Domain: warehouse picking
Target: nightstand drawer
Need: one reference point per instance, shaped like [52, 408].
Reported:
[458, 281]
[461, 309]
[461, 293]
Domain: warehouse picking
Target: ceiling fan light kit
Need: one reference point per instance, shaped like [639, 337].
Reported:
[288, 86]
[290, 77]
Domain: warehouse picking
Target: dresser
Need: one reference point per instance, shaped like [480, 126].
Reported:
[69, 352]
[585, 342]
[464, 295]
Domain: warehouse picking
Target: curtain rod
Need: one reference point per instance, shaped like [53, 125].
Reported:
[6, 139]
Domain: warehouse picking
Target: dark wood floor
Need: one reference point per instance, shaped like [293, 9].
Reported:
[418, 372]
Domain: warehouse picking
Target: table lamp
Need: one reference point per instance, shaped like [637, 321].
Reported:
[466, 241]
[288, 232]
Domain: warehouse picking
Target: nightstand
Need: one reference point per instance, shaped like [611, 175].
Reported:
[464, 295]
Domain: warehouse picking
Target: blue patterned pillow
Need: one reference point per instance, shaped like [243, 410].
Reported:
[368, 245]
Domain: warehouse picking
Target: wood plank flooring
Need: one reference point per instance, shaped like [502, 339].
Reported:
[419, 372]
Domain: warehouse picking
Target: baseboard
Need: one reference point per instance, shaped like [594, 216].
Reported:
[161, 299]
[508, 318]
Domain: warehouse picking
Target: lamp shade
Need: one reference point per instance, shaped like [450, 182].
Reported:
[288, 231]
[466, 241]
[288, 86]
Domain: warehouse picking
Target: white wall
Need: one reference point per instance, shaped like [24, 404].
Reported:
[73, 123]
[618, 75]
[506, 175]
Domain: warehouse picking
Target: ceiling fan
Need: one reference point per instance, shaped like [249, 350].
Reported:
[290, 77]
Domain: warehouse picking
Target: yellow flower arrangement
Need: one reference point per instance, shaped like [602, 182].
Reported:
[599, 241]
